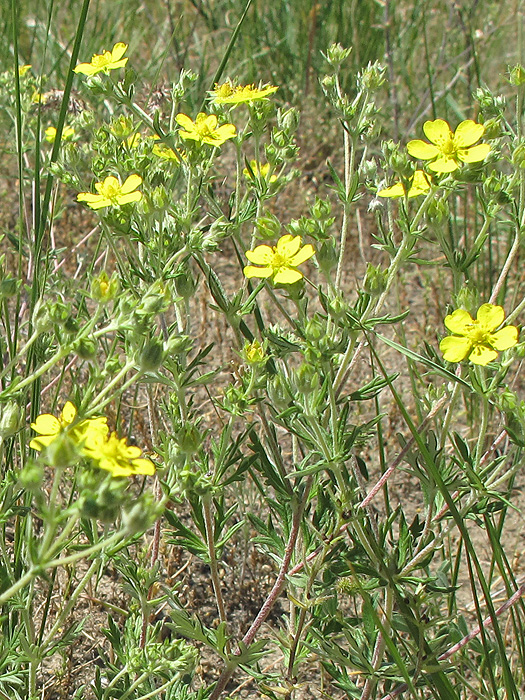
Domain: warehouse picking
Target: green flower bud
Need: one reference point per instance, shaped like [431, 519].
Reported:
[42, 318]
[517, 75]
[336, 54]
[62, 452]
[254, 353]
[104, 289]
[493, 129]
[32, 476]
[508, 401]
[152, 355]
[372, 77]
[321, 209]
[159, 197]
[188, 438]
[306, 379]
[122, 127]
[327, 256]
[288, 120]
[141, 515]
[375, 280]
[518, 156]
[9, 287]
[101, 501]
[185, 284]
[438, 211]
[268, 227]
[86, 349]
[10, 419]
[156, 300]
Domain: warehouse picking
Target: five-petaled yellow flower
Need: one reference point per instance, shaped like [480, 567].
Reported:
[478, 340]
[204, 129]
[117, 457]
[228, 94]
[67, 133]
[278, 262]
[419, 184]
[112, 193]
[259, 170]
[82, 433]
[104, 62]
[448, 150]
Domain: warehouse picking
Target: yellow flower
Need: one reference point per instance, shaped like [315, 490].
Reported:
[40, 97]
[278, 261]
[259, 170]
[104, 62]
[419, 184]
[166, 153]
[83, 433]
[112, 193]
[448, 150]
[477, 339]
[117, 457]
[204, 129]
[67, 133]
[24, 69]
[228, 94]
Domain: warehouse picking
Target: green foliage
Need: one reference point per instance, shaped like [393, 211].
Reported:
[213, 393]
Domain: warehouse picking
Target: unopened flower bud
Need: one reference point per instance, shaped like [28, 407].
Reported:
[10, 419]
[152, 355]
[336, 54]
[517, 75]
[104, 289]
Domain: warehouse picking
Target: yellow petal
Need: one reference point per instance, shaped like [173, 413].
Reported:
[127, 198]
[305, 253]
[459, 322]
[287, 276]
[396, 190]
[482, 355]
[505, 338]
[95, 201]
[225, 132]
[184, 121]
[118, 64]
[210, 120]
[490, 316]
[437, 131]
[422, 149]
[261, 255]
[131, 183]
[455, 349]
[251, 271]
[110, 182]
[420, 184]
[118, 51]
[69, 413]
[85, 69]
[445, 164]
[467, 133]
[288, 245]
[46, 424]
[41, 441]
[474, 154]
[143, 466]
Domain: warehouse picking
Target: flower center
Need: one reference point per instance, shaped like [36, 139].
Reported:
[477, 335]
[101, 60]
[110, 190]
[448, 147]
[279, 260]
